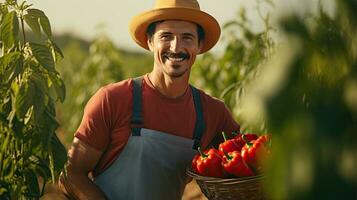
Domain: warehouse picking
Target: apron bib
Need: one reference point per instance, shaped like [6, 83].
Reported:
[152, 165]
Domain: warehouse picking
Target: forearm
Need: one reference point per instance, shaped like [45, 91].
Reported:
[79, 186]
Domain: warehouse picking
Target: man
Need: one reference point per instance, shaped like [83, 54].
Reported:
[138, 136]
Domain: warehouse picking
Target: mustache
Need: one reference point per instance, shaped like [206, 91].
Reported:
[177, 55]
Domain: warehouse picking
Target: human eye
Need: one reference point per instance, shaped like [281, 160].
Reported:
[188, 38]
[165, 37]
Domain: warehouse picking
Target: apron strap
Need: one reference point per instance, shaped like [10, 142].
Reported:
[137, 120]
[200, 123]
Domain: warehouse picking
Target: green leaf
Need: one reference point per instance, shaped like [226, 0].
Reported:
[33, 22]
[17, 69]
[5, 143]
[40, 82]
[9, 29]
[32, 187]
[56, 49]
[9, 58]
[40, 166]
[8, 167]
[11, 65]
[24, 99]
[59, 154]
[49, 124]
[43, 55]
[39, 95]
[228, 89]
[42, 19]
[3, 11]
[59, 87]
[61, 90]
[3, 191]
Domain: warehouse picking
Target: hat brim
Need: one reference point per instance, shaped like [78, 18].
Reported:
[139, 24]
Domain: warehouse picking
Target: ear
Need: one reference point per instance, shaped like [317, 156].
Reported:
[150, 44]
[200, 46]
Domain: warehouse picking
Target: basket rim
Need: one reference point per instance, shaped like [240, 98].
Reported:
[207, 179]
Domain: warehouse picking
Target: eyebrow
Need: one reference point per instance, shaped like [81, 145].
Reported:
[165, 33]
[189, 34]
[184, 34]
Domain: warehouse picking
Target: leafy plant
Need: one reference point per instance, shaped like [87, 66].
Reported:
[308, 93]
[85, 73]
[29, 88]
[226, 76]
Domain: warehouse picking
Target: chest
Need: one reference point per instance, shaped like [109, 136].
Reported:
[177, 118]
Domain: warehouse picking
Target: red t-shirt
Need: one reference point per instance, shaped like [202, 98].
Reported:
[106, 120]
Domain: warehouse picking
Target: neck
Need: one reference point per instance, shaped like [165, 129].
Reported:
[168, 86]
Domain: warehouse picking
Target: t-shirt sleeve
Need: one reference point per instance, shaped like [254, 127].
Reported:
[94, 128]
[227, 125]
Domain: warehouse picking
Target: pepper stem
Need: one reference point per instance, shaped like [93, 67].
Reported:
[226, 154]
[249, 143]
[201, 153]
[244, 138]
[224, 136]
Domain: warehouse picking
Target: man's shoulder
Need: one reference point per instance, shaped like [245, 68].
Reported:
[209, 99]
[119, 88]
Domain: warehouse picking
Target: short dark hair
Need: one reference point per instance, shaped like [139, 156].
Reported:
[151, 30]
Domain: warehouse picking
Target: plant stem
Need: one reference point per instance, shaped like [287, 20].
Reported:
[203, 155]
[225, 137]
[23, 29]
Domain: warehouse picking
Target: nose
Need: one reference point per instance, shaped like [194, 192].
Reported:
[175, 45]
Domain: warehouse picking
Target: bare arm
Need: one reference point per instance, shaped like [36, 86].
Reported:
[81, 160]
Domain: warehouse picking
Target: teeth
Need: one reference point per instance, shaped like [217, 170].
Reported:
[176, 59]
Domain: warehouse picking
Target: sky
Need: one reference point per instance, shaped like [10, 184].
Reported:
[88, 18]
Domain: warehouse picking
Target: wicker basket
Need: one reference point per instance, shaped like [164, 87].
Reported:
[248, 188]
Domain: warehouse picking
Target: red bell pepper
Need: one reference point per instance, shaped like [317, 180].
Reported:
[209, 163]
[254, 153]
[194, 163]
[243, 138]
[265, 138]
[234, 164]
[249, 136]
[228, 145]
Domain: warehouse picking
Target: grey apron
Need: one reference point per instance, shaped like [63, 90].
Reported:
[152, 164]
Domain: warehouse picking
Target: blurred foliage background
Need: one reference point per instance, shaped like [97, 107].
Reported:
[227, 75]
[89, 66]
[295, 77]
[306, 94]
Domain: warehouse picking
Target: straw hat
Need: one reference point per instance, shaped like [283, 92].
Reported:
[188, 10]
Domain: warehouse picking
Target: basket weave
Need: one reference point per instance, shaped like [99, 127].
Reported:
[247, 188]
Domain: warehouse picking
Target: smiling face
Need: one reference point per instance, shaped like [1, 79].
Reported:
[175, 45]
